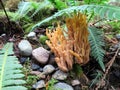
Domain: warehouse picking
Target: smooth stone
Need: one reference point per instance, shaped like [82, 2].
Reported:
[63, 86]
[31, 35]
[25, 48]
[41, 55]
[39, 84]
[75, 82]
[48, 69]
[60, 75]
[35, 66]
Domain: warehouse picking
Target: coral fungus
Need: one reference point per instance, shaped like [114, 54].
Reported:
[75, 44]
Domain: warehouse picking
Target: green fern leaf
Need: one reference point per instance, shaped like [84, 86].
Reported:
[23, 9]
[10, 73]
[96, 43]
[104, 11]
[40, 7]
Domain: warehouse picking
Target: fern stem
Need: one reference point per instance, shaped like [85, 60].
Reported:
[3, 66]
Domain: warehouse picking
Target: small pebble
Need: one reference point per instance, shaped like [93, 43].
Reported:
[75, 82]
[25, 48]
[35, 66]
[39, 84]
[23, 60]
[63, 86]
[48, 69]
[41, 55]
[60, 75]
[31, 35]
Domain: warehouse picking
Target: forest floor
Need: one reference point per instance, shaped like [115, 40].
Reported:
[92, 76]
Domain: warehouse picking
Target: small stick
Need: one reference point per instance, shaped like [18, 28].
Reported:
[107, 70]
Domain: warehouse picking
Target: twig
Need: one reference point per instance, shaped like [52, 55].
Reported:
[5, 11]
[111, 40]
[6, 15]
[107, 70]
[98, 21]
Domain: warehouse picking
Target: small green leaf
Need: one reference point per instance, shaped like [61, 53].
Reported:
[42, 39]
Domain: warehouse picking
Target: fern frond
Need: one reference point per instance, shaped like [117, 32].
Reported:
[96, 43]
[10, 73]
[40, 7]
[23, 9]
[104, 11]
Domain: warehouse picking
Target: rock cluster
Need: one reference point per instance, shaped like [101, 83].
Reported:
[43, 65]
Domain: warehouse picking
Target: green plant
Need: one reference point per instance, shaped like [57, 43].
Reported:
[31, 79]
[104, 11]
[95, 1]
[97, 42]
[30, 12]
[24, 8]
[10, 70]
[42, 39]
[77, 69]
[58, 4]
[97, 75]
[51, 83]
[115, 26]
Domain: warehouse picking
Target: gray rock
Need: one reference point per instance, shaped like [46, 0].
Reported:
[63, 86]
[25, 48]
[39, 84]
[60, 75]
[31, 35]
[23, 60]
[75, 82]
[41, 55]
[118, 36]
[35, 66]
[48, 69]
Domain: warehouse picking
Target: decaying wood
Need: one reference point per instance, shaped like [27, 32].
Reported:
[69, 44]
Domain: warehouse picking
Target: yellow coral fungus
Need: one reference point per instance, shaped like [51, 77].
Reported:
[77, 31]
[75, 44]
[60, 46]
